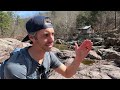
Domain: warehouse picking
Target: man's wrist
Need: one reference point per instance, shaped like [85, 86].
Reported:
[78, 59]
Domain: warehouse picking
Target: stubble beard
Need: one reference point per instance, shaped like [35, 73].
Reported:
[47, 49]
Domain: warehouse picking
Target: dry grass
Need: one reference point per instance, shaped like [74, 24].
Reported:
[61, 46]
[88, 62]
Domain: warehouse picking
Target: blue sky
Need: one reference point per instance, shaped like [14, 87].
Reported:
[24, 14]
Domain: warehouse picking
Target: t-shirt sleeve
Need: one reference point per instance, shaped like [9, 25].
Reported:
[14, 68]
[14, 71]
[55, 62]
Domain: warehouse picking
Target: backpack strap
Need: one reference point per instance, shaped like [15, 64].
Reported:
[4, 62]
[2, 68]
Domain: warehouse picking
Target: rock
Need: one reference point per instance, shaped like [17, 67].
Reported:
[55, 50]
[110, 54]
[117, 62]
[7, 45]
[59, 41]
[115, 42]
[97, 41]
[64, 54]
[93, 55]
[114, 74]
[100, 70]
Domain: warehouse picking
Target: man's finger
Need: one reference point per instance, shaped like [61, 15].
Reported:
[76, 46]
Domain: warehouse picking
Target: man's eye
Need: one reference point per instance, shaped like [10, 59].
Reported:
[46, 35]
[52, 34]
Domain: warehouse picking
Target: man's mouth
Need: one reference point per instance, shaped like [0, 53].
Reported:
[50, 44]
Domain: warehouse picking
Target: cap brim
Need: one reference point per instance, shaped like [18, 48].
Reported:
[25, 39]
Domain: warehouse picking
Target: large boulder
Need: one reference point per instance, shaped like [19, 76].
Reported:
[64, 54]
[97, 41]
[93, 55]
[112, 42]
[110, 54]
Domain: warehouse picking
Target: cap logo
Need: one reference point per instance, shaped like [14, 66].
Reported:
[47, 20]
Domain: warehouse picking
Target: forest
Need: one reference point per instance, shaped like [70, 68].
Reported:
[65, 22]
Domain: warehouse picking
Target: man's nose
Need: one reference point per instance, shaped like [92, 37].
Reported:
[51, 38]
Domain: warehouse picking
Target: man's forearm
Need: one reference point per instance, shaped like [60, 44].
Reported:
[81, 52]
[71, 69]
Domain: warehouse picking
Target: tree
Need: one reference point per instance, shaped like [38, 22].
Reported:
[87, 18]
[82, 19]
[93, 18]
[64, 23]
[4, 22]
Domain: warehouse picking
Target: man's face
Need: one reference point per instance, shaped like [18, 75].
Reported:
[44, 39]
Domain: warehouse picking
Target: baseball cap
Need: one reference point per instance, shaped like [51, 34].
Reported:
[37, 23]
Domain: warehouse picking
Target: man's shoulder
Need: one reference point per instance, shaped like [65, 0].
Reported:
[19, 50]
[16, 50]
[17, 55]
[50, 54]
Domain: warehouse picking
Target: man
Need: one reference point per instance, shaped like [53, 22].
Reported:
[34, 62]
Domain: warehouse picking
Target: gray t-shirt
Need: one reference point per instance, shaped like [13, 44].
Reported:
[22, 66]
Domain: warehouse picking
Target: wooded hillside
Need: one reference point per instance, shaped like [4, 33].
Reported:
[65, 22]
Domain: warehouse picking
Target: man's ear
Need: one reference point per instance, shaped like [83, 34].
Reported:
[31, 37]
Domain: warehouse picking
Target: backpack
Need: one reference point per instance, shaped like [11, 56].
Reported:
[4, 62]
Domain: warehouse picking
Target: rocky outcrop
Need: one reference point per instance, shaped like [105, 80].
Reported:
[64, 54]
[99, 70]
[7, 45]
[93, 55]
[110, 54]
[106, 63]
[97, 41]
